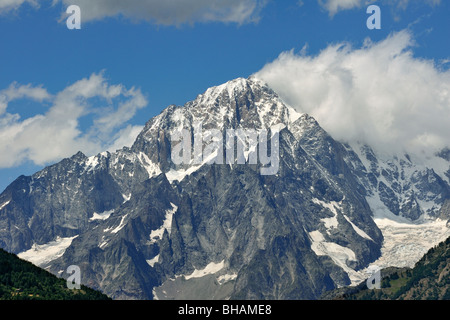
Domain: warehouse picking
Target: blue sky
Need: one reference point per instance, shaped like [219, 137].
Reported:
[140, 58]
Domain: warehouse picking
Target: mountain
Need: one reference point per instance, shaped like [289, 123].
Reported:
[429, 279]
[21, 280]
[147, 223]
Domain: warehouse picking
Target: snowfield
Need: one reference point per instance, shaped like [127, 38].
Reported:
[42, 255]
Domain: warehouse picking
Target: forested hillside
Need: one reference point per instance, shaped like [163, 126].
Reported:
[21, 280]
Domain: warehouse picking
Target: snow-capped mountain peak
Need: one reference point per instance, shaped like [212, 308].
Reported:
[141, 225]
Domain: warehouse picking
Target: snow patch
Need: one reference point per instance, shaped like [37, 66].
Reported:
[91, 163]
[101, 216]
[339, 254]
[42, 254]
[156, 235]
[151, 262]
[277, 128]
[211, 268]
[126, 198]
[293, 114]
[226, 278]
[358, 230]
[103, 244]
[151, 168]
[5, 204]
[179, 175]
[119, 227]
[332, 222]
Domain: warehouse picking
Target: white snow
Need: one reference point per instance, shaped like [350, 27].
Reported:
[152, 261]
[380, 211]
[211, 268]
[103, 244]
[126, 198]
[358, 230]
[151, 168]
[43, 254]
[155, 297]
[226, 277]
[438, 164]
[339, 254]
[156, 235]
[405, 243]
[293, 114]
[179, 175]
[408, 169]
[277, 128]
[332, 222]
[230, 87]
[177, 115]
[5, 204]
[120, 226]
[263, 110]
[101, 216]
[91, 163]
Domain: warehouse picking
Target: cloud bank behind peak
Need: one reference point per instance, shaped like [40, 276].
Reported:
[379, 94]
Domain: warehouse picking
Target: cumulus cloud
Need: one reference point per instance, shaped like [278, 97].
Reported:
[175, 12]
[378, 94]
[48, 137]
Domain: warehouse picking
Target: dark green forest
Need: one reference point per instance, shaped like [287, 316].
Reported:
[21, 280]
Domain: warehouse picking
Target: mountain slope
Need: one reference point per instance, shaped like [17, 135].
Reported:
[143, 226]
[21, 280]
[232, 215]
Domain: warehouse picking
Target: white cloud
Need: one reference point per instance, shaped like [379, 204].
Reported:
[48, 137]
[174, 12]
[125, 137]
[378, 94]
[7, 5]
[334, 6]
[177, 12]
[16, 91]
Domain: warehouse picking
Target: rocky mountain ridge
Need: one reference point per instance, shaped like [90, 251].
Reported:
[142, 227]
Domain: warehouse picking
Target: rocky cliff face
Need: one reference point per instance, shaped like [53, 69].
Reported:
[143, 227]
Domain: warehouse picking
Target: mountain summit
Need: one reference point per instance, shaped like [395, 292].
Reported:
[141, 226]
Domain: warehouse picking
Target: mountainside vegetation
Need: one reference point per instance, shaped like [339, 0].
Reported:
[21, 280]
